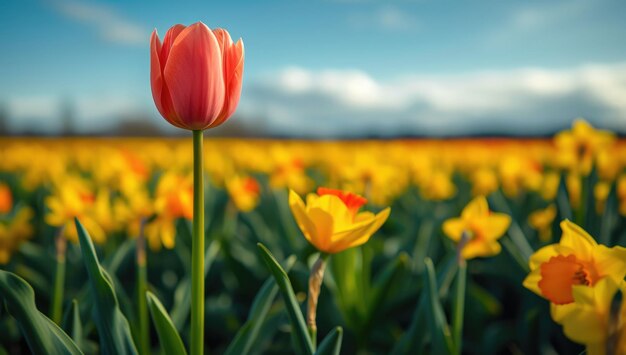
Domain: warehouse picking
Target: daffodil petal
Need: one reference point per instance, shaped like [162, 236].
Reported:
[302, 219]
[577, 239]
[476, 208]
[453, 228]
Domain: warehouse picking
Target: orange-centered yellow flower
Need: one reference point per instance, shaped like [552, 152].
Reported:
[331, 220]
[244, 192]
[576, 260]
[478, 229]
[593, 320]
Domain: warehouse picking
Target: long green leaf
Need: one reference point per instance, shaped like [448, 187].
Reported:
[412, 339]
[247, 335]
[42, 335]
[331, 345]
[113, 328]
[458, 309]
[301, 334]
[168, 336]
[73, 325]
[439, 330]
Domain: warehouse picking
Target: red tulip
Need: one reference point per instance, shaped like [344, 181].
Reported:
[196, 75]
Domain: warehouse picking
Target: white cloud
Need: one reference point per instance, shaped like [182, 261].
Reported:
[107, 22]
[519, 101]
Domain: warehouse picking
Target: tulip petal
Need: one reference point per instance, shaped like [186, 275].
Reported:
[233, 77]
[195, 78]
[168, 41]
[160, 92]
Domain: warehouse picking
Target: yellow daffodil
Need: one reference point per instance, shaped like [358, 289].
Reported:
[601, 192]
[579, 147]
[484, 182]
[576, 260]
[14, 231]
[73, 198]
[331, 220]
[478, 229]
[550, 185]
[541, 220]
[244, 192]
[590, 319]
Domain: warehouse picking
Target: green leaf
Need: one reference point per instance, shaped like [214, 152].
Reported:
[73, 325]
[301, 335]
[249, 332]
[458, 309]
[182, 296]
[168, 336]
[42, 335]
[331, 345]
[438, 325]
[384, 283]
[412, 339]
[113, 328]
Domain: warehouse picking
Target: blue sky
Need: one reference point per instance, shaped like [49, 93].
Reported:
[331, 67]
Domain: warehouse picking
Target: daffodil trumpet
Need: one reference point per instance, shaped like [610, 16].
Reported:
[59, 276]
[315, 284]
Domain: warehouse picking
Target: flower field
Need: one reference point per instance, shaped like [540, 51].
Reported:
[402, 246]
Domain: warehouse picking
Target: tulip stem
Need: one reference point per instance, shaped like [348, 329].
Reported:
[197, 250]
[142, 288]
[59, 277]
[315, 285]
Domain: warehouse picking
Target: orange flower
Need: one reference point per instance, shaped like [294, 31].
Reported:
[6, 199]
[576, 260]
[331, 220]
[481, 228]
[196, 75]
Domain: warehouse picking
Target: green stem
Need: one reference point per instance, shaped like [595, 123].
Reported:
[197, 250]
[59, 277]
[458, 309]
[142, 288]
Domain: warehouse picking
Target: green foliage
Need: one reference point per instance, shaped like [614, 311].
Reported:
[113, 328]
[43, 335]
[168, 336]
[301, 335]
